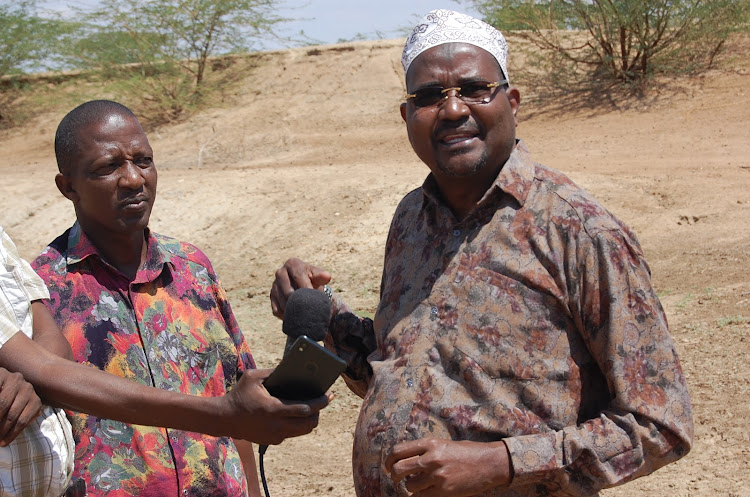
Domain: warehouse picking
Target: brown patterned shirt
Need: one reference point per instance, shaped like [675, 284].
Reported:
[532, 321]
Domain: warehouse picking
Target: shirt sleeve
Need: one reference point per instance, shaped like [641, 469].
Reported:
[19, 286]
[648, 422]
[353, 339]
[244, 356]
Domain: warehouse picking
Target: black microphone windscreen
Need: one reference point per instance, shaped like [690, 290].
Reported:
[307, 312]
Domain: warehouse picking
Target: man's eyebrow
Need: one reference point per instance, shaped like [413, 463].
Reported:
[462, 80]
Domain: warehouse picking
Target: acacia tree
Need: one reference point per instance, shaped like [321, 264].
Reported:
[28, 43]
[621, 40]
[163, 47]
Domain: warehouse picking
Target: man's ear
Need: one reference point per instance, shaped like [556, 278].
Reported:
[514, 99]
[403, 111]
[65, 185]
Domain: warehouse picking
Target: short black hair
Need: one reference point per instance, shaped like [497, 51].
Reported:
[66, 137]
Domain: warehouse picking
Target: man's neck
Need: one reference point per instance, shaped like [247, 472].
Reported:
[124, 252]
[462, 196]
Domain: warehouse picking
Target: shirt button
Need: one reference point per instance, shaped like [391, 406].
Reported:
[409, 383]
[184, 492]
[174, 438]
[434, 310]
[456, 233]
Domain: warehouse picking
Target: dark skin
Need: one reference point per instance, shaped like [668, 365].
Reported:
[431, 467]
[19, 405]
[111, 182]
[465, 147]
[246, 412]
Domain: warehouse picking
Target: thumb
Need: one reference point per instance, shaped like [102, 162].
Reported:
[319, 277]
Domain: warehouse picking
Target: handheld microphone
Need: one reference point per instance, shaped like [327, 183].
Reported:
[307, 312]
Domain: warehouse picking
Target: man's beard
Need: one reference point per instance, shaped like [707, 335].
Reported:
[478, 165]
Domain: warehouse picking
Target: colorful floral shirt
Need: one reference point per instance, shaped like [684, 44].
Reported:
[172, 328]
[532, 321]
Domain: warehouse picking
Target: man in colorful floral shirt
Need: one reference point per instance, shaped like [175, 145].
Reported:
[150, 309]
[519, 348]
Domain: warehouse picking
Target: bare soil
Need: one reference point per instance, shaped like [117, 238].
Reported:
[307, 156]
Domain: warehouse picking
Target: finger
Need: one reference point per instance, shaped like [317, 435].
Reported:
[277, 306]
[6, 395]
[26, 418]
[419, 483]
[295, 408]
[290, 276]
[253, 377]
[280, 291]
[404, 468]
[320, 403]
[300, 275]
[318, 277]
[8, 391]
[304, 426]
[23, 407]
[291, 427]
[404, 450]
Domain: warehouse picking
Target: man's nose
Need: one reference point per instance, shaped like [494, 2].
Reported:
[132, 176]
[453, 107]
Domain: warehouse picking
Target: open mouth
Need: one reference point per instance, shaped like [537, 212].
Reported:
[457, 137]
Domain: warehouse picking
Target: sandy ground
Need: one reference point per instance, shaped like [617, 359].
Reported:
[308, 156]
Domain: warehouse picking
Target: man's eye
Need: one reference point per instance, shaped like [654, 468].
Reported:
[474, 90]
[107, 168]
[144, 161]
[428, 96]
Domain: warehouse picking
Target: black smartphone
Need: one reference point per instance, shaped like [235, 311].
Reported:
[307, 371]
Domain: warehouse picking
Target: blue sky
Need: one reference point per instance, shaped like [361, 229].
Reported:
[332, 20]
[329, 21]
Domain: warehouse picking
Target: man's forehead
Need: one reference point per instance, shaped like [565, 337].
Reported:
[109, 125]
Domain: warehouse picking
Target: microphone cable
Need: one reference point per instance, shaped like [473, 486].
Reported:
[261, 451]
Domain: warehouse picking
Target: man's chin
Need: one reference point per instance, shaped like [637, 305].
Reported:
[131, 225]
[462, 166]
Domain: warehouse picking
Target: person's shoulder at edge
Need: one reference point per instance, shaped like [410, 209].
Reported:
[52, 253]
[593, 215]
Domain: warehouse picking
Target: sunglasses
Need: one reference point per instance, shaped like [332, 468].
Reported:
[476, 92]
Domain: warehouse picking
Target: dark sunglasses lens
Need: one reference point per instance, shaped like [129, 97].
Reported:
[427, 97]
[475, 92]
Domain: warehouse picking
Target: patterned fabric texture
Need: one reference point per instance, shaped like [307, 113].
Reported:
[531, 321]
[446, 26]
[171, 328]
[39, 461]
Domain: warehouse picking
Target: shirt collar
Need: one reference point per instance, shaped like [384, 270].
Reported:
[515, 179]
[80, 247]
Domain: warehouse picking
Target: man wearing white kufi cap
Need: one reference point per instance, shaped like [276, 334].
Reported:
[519, 348]
[447, 26]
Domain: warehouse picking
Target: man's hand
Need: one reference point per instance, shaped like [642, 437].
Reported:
[19, 405]
[294, 274]
[435, 467]
[254, 415]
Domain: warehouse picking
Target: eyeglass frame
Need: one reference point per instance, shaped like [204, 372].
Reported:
[457, 89]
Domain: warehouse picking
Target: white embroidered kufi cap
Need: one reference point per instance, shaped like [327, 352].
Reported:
[447, 26]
